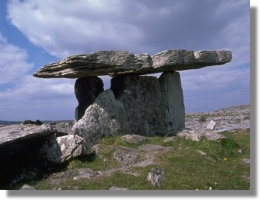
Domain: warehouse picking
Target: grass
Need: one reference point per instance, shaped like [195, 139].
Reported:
[184, 167]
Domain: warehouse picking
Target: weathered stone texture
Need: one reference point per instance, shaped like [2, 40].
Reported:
[143, 101]
[86, 90]
[156, 176]
[106, 117]
[20, 133]
[122, 62]
[61, 149]
[174, 102]
[144, 105]
[154, 106]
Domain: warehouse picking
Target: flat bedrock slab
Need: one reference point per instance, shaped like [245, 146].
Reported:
[123, 62]
[19, 133]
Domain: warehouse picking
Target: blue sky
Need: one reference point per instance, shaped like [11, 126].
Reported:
[34, 33]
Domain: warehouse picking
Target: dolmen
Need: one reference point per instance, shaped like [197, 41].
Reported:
[134, 104]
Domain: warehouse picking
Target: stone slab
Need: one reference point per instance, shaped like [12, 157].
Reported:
[114, 63]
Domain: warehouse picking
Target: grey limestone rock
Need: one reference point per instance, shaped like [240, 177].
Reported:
[134, 139]
[95, 64]
[86, 173]
[14, 138]
[246, 161]
[27, 187]
[122, 62]
[86, 90]
[174, 102]
[154, 106]
[117, 188]
[16, 133]
[126, 156]
[156, 176]
[143, 100]
[106, 117]
[196, 135]
[71, 146]
[50, 151]
[61, 149]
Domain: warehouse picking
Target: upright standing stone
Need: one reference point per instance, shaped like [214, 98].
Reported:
[143, 101]
[86, 91]
[173, 98]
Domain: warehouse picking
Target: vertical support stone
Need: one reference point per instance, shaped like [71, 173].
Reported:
[143, 101]
[173, 98]
[86, 90]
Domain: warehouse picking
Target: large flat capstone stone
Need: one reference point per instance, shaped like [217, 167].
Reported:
[114, 63]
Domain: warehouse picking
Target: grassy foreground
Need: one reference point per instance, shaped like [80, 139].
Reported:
[185, 168]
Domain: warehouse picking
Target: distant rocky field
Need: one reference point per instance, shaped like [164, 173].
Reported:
[226, 119]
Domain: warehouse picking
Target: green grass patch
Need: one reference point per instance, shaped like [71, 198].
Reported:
[185, 168]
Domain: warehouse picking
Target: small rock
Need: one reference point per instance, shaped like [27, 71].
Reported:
[27, 187]
[134, 139]
[211, 125]
[246, 160]
[156, 176]
[86, 173]
[202, 153]
[240, 151]
[117, 188]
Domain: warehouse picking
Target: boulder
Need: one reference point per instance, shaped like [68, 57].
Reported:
[106, 117]
[86, 90]
[19, 149]
[50, 151]
[122, 62]
[61, 149]
[71, 146]
[13, 138]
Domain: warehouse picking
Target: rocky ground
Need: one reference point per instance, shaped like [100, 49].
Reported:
[236, 117]
[124, 158]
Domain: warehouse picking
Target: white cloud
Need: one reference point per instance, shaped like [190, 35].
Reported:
[31, 88]
[83, 26]
[13, 62]
[68, 27]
